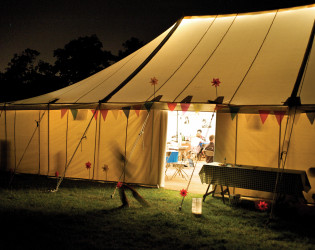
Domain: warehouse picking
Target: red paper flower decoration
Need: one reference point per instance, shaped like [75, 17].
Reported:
[154, 81]
[57, 174]
[215, 82]
[119, 184]
[88, 165]
[183, 192]
[262, 205]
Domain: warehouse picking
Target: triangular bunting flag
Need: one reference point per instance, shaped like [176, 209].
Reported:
[234, 111]
[279, 115]
[137, 109]
[63, 112]
[187, 99]
[197, 107]
[96, 113]
[104, 113]
[126, 111]
[311, 116]
[157, 98]
[115, 113]
[263, 115]
[74, 113]
[172, 106]
[185, 107]
[148, 105]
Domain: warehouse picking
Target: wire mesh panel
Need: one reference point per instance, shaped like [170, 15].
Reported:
[256, 178]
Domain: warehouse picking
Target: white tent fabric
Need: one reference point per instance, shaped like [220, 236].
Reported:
[259, 58]
[256, 56]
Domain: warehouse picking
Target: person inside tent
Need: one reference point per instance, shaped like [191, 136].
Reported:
[197, 142]
[210, 147]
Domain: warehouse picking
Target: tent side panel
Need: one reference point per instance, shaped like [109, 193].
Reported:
[225, 138]
[141, 167]
[26, 139]
[43, 140]
[83, 152]
[301, 150]
[6, 145]
[257, 143]
[57, 141]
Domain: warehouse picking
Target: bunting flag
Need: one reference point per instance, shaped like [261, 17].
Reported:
[172, 106]
[95, 113]
[74, 113]
[157, 98]
[263, 115]
[148, 105]
[234, 111]
[126, 111]
[187, 99]
[310, 116]
[137, 109]
[115, 113]
[63, 112]
[104, 113]
[185, 107]
[197, 107]
[279, 116]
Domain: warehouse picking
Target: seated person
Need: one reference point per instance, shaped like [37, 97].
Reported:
[197, 142]
[210, 147]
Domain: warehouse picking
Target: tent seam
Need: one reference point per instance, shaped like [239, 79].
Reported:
[207, 59]
[186, 57]
[250, 66]
[143, 64]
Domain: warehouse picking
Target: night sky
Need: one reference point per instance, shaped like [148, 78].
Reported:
[47, 25]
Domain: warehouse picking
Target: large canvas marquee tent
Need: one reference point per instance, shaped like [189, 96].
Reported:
[265, 103]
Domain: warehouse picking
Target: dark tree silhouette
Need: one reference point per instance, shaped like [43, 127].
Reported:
[24, 77]
[81, 58]
[130, 46]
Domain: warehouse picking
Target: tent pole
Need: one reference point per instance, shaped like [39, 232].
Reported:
[14, 138]
[98, 144]
[48, 142]
[5, 124]
[125, 158]
[152, 137]
[236, 127]
[38, 143]
[67, 128]
[95, 146]
[283, 150]
[294, 100]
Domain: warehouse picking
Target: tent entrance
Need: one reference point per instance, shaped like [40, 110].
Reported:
[182, 129]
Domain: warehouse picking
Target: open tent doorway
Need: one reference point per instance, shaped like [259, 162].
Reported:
[181, 153]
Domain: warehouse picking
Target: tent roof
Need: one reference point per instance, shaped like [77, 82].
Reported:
[256, 57]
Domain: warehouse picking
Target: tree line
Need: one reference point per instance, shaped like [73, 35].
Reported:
[26, 76]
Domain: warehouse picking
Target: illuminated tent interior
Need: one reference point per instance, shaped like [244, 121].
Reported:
[263, 60]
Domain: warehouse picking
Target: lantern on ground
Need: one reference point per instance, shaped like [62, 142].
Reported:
[196, 206]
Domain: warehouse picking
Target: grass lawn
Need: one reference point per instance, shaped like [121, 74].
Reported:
[82, 215]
